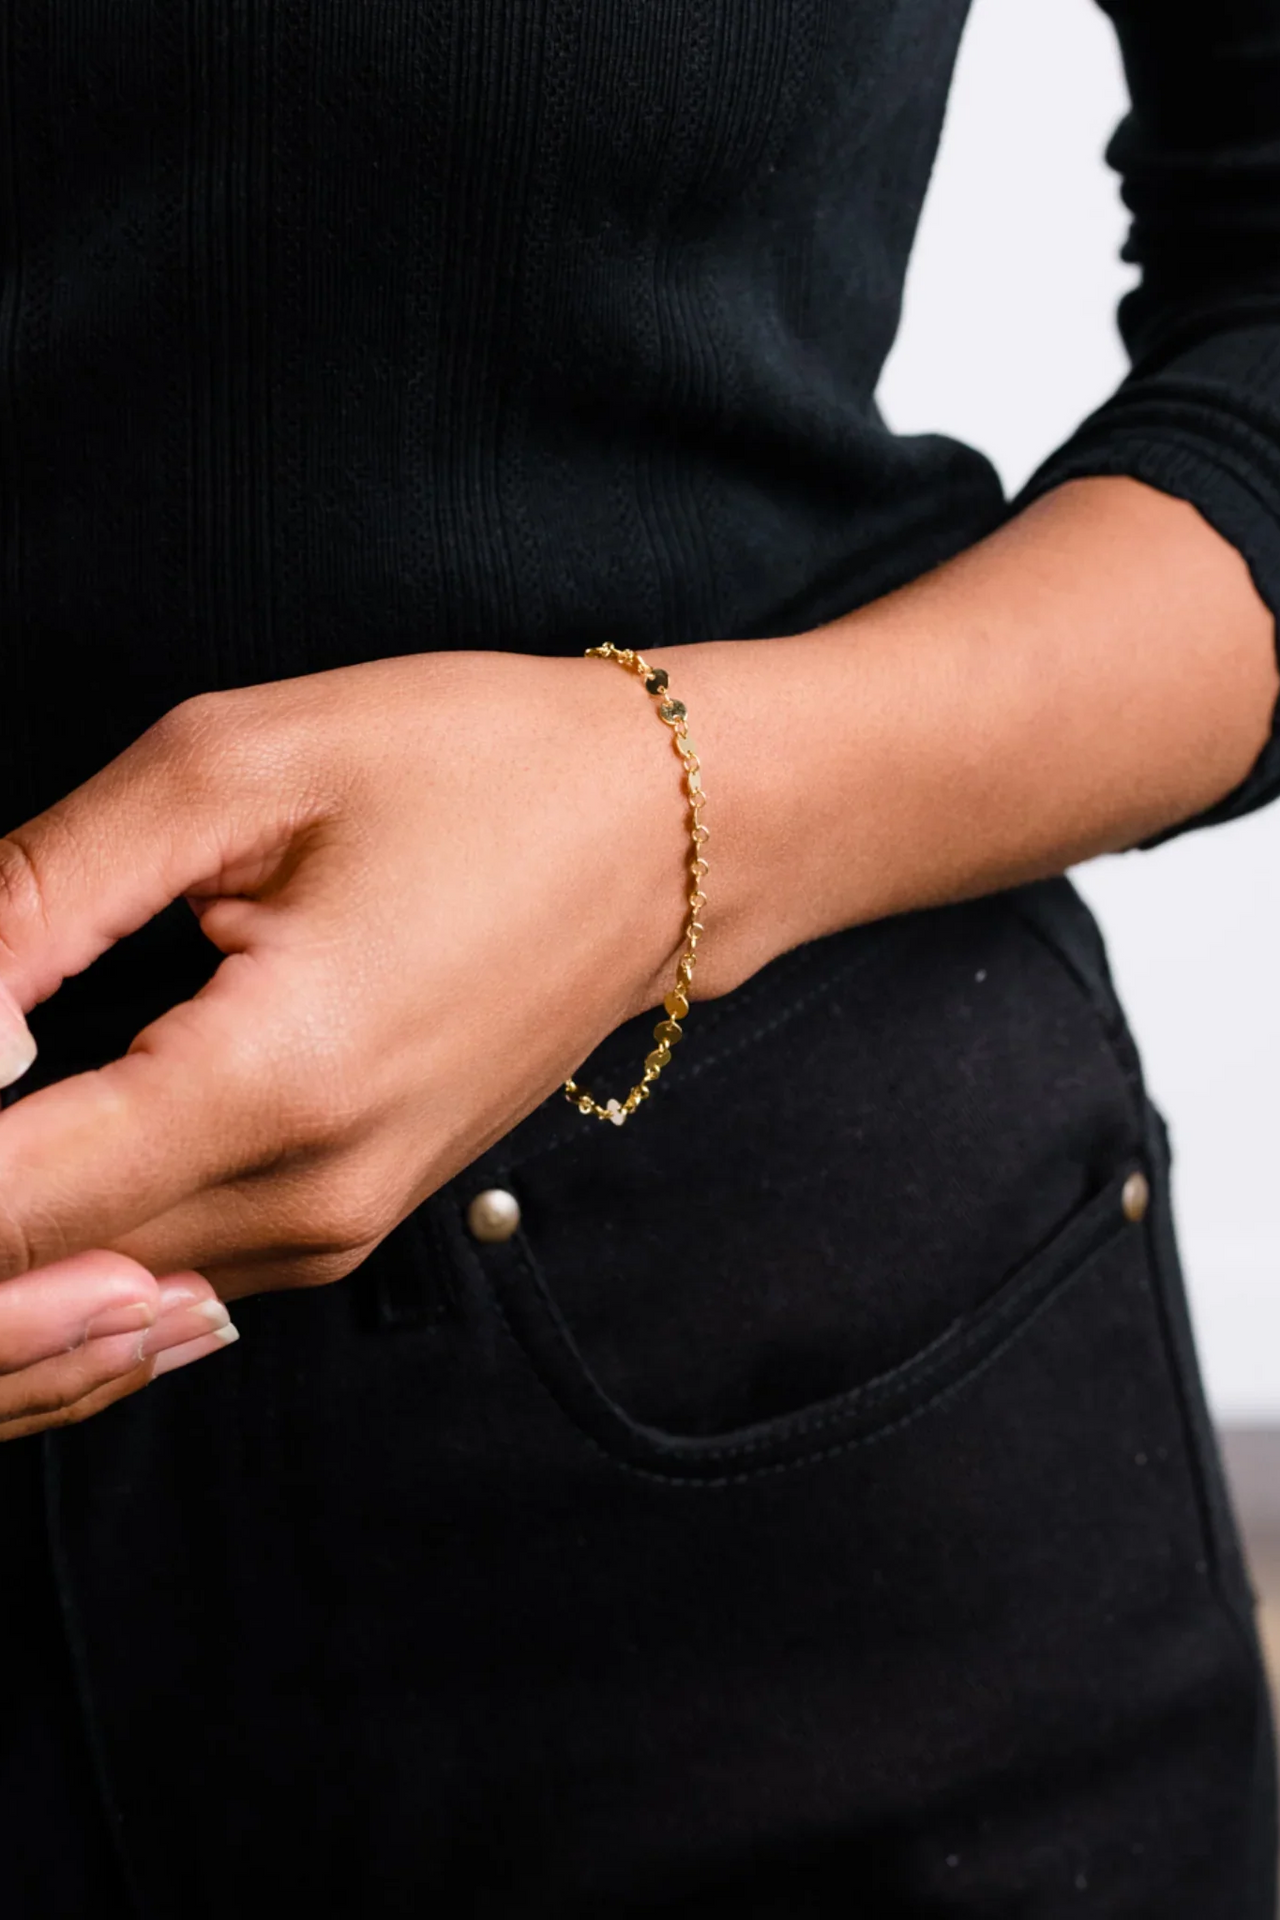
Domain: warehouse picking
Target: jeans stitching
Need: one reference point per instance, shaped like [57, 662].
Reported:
[721, 1482]
[804, 1425]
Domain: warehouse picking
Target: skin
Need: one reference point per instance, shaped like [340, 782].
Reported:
[440, 881]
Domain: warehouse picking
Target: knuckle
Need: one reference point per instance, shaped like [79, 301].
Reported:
[191, 722]
[19, 1252]
[54, 1401]
[219, 741]
[23, 915]
[238, 734]
[98, 1386]
[185, 737]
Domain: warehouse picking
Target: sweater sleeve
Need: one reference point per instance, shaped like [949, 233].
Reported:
[1199, 414]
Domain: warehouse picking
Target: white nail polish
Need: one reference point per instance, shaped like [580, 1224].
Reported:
[214, 1312]
[17, 1052]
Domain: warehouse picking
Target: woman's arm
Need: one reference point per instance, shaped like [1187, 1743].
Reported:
[438, 882]
[1098, 670]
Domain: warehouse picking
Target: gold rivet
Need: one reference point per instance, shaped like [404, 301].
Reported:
[1135, 1197]
[493, 1215]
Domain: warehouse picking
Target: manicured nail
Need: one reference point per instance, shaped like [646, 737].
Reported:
[214, 1312]
[175, 1357]
[132, 1318]
[184, 1324]
[17, 1047]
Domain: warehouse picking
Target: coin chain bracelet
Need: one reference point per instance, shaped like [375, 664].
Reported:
[676, 1004]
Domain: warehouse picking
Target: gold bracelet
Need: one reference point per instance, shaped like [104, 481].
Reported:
[667, 1032]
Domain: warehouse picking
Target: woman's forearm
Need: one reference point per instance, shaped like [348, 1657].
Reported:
[438, 884]
[1098, 669]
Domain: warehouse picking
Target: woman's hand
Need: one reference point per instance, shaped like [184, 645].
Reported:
[438, 883]
[90, 1330]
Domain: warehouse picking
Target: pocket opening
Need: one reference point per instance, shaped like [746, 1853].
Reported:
[857, 1415]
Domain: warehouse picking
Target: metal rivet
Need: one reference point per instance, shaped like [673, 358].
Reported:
[493, 1215]
[1135, 1197]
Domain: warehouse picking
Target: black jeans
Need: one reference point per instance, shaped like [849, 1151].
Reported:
[811, 1510]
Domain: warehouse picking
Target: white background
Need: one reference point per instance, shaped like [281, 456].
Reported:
[1008, 339]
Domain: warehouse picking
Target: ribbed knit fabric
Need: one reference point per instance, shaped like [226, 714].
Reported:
[329, 332]
[844, 1534]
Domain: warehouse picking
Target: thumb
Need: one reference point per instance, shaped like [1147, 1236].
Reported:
[168, 817]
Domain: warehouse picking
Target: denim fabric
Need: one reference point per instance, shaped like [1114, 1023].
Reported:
[811, 1510]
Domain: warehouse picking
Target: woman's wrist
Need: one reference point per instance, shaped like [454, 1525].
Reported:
[1099, 669]
[640, 886]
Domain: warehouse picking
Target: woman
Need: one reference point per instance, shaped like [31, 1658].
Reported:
[799, 1497]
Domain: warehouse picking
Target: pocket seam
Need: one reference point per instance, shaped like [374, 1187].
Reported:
[744, 1475]
[968, 1345]
[1219, 1528]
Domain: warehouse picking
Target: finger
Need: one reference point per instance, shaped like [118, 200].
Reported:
[92, 1296]
[239, 1276]
[202, 1348]
[89, 1159]
[242, 1267]
[66, 1412]
[195, 1315]
[192, 798]
[20, 1427]
[301, 1226]
[192, 1324]
[51, 1387]
[183, 1307]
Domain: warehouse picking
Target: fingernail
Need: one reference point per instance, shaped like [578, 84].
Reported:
[120, 1319]
[17, 1047]
[183, 1325]
[214, 1312]
[174, 1357]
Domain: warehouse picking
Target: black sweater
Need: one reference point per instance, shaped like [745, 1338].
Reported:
[358, 328]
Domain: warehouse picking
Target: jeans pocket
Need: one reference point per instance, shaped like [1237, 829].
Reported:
[886, 1146]
[819, 1429]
